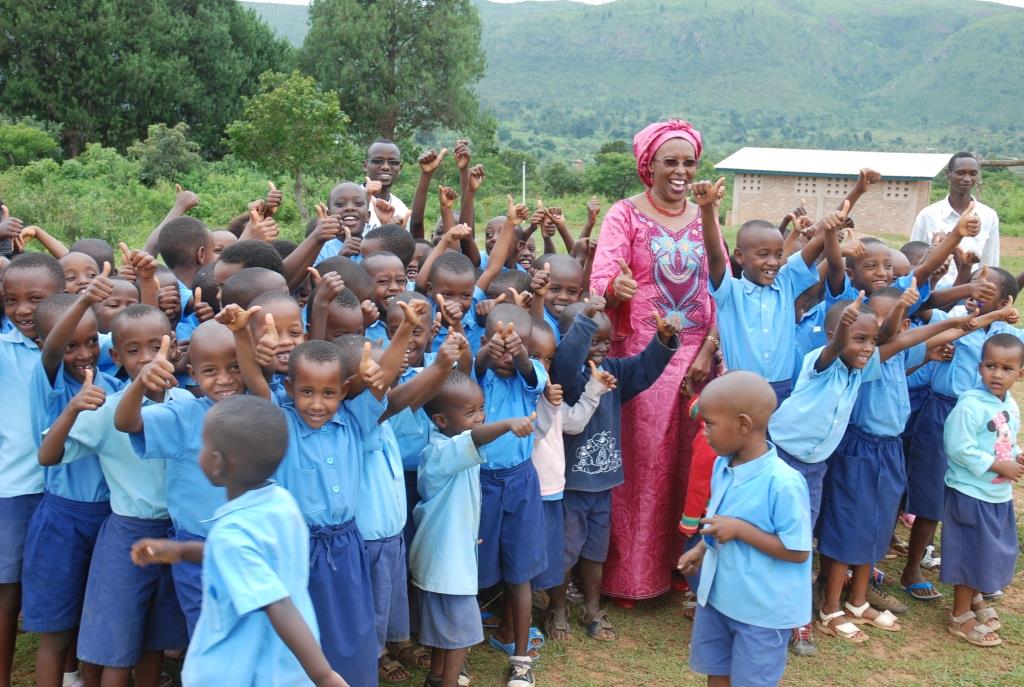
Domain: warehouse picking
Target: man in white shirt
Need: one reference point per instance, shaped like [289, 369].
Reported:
[383, 163]
[963, 173]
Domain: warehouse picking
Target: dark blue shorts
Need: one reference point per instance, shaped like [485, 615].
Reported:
[448, 621]
[926, 464]
[866, 479]
[58, 548]
[751, 656]
[554, 542]
[782, 389]
[15, 514]
[188, 582]
[389, 581]
[979, 542]
[339, 584]
[813, 473]
[511, 516]
[588, 525]
[128, 608]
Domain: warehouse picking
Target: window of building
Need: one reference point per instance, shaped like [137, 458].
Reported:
[807, 186]
[749, 183]
[896, 189]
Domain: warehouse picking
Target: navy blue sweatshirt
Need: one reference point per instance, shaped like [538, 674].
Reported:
[593, 458]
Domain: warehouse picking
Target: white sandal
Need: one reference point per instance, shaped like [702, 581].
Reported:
[844, 630]
[985, 613]
[885, 620]
[976, 635]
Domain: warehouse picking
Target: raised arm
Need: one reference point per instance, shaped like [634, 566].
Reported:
[450, 240]
[90, 397]
[503, 245]
[841, 336]
[157, 376]
[428, 162]
[56, 343]
[236, 319]
[967, 225]
[183, 202]
[327, 227]
[593, 210]
[53, 246]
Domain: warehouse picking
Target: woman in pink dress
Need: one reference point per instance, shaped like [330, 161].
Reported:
[650, 256]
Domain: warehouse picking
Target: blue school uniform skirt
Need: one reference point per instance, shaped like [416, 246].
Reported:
[449, 621]
[861, 496]
[918, 395]
[926, 464]
[15, 514]
[58, 548]
[339, 585]
[188, 582]
[979, 542]
[554, 545]
[511, 516]
[128, 608]
[813, 474]
[389, 583]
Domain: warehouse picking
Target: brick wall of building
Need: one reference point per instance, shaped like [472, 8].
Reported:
[890, 206]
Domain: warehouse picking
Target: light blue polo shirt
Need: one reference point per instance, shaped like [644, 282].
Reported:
[382, 511]
[105, 362]
[883, 405]
[20, 471]
[757, 323]
[412, 427]
[335, 247]
[961, 373]
[322, 467]
[82, 480]
[553, 323]
[810, 423]
[257, 553]
[980, 430]
[755, 588]
[442, 557]
[473, 330]
[850, 292]
[506, 398]
[378, 331]
[173, 431]
[137, 487]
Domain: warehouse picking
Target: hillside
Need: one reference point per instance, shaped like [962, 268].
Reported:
[563, 77]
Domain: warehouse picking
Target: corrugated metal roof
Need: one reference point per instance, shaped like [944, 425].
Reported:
[833, 163]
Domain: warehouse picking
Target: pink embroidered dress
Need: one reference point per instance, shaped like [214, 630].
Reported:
[671, 272]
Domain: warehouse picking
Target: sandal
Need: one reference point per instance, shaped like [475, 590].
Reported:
[489, 620]
[976, 635]
[464, 678]
[600, 628]
[390, 670]
[899, 548]
[922, 591]
[883, 620]
[558, 630]
[510, 648]
[986, 614]
[844, 630]
[410, 655]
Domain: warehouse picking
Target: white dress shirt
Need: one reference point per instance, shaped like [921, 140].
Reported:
[940, 218]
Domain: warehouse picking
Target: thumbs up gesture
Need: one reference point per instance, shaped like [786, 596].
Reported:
[369, 371]
[268, 342]
[158, 375]
[624, 286]
[431, 160]
[705, 193]
[202, 310]
[911, 295]
[234, 317]
[522, 426]
[10, 227]
[100, 288]
[969, 224]
[852, 311]
[90, 396]
[273, 200]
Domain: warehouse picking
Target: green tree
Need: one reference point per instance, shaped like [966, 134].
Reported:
[399, 66]
[561, 180]
[612, 175]
[166, 154]
[292, 127]
[21, 143]
[106, 69]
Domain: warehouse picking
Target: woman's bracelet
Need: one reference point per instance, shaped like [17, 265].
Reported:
[718, 344]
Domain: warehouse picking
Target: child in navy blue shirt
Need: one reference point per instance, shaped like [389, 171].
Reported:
[511, 506]
[64, 528]
[755, 553]
[30, 279]
[258, 624]
[443, 557]
[593, 458]
[172, 431]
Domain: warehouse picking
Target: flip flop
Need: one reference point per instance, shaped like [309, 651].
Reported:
[489, 620]
[926, 591]
[510, 648]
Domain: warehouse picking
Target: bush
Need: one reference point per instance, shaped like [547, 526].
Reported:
[166, 154]
[560, 179]
[21, 144]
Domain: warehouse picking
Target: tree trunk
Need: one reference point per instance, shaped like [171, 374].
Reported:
[297, 191]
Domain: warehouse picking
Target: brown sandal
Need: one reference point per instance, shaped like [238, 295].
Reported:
[391, 670]
[410, 655]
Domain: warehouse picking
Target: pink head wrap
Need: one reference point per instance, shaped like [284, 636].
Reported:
[647, 142]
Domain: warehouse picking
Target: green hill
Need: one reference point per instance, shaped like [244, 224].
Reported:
[563, 77]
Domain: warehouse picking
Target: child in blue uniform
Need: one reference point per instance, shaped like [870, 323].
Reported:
[867, 475]
[257, 624]
[756, 311]
[28, 280]
[64, 528]
[443, 558]
[511, 511]
[130, 615]
[172, 431]
[979, 532]
[755, 552]
[926, 462]
[593, 457]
